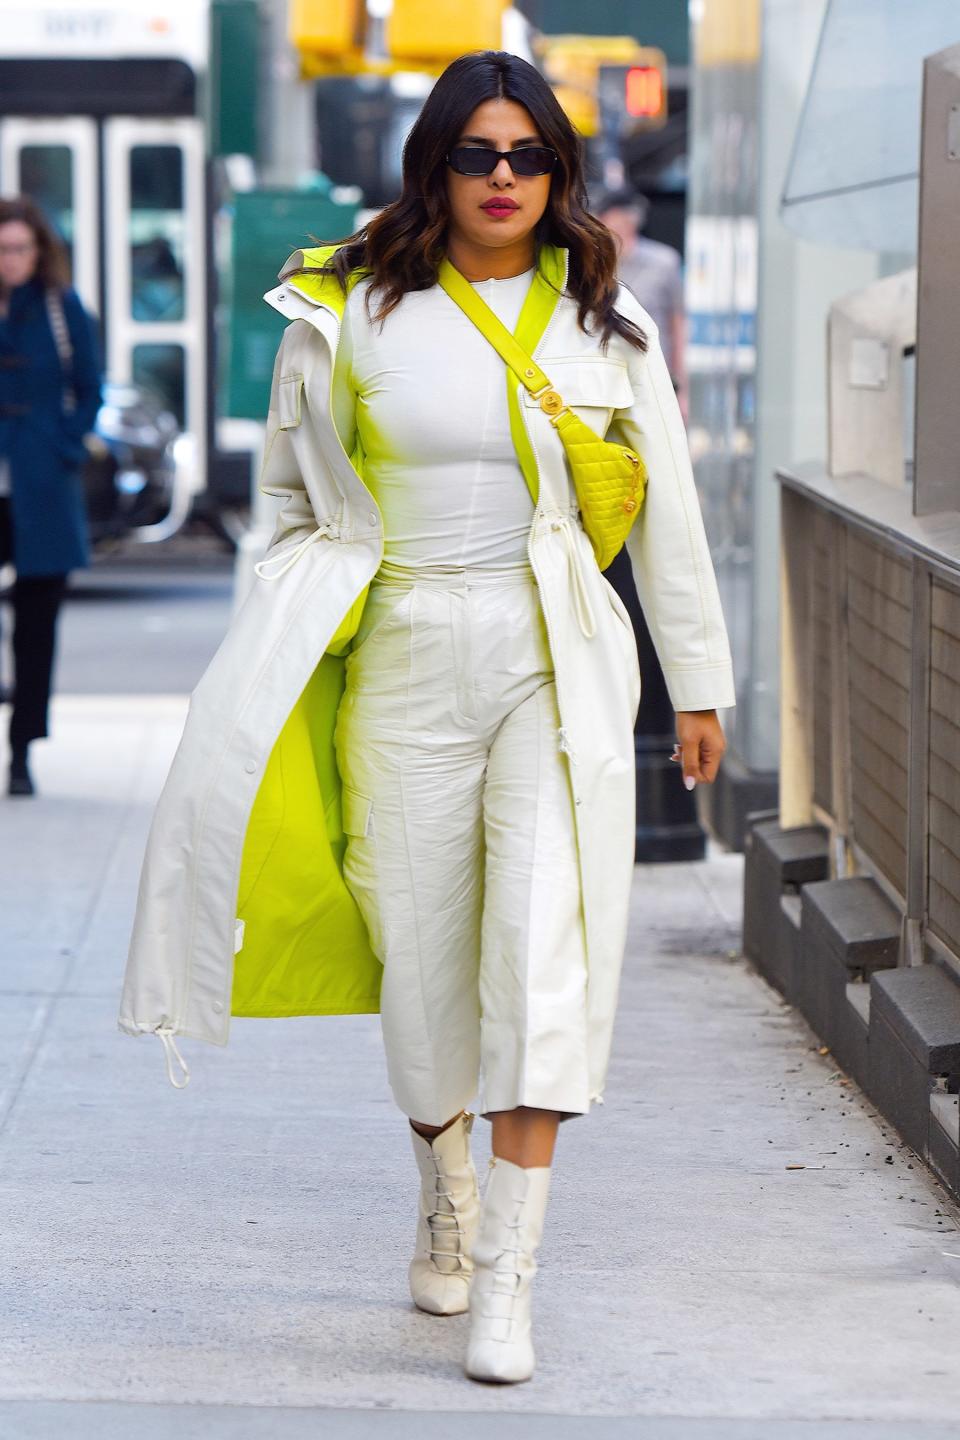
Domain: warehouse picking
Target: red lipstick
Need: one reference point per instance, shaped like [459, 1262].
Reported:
[500, 205]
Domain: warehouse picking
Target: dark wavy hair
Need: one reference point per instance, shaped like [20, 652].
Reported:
[53, 266]
[402, 246]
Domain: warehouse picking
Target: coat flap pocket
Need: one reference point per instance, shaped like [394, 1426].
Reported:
[588, 380]
[357, 810]
[290, 390]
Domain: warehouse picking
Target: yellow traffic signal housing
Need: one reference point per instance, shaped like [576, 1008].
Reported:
[424, 34]
[333, 37]
[329, 34]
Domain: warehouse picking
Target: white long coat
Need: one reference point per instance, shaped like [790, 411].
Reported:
[327, 546]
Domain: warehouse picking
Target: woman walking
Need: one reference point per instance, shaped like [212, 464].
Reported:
[49, 398]
[406, 780]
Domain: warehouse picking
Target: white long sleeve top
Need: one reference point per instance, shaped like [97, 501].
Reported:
[428, 396]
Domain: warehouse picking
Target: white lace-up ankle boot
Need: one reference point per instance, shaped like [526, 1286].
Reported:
[511, 1224]
[441, 1268]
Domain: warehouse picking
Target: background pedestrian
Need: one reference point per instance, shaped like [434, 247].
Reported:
[50, 392]
[653, 272]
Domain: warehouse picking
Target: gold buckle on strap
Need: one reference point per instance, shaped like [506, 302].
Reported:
[551, 403]
[549, 400]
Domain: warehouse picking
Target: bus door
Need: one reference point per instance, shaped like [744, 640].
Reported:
[55, 162]
[155, 267]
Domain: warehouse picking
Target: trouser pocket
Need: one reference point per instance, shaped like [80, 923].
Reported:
[360, 863]
[462, 649]
[384, 610]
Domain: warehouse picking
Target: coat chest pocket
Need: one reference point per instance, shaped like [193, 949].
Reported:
[290, 392]
[592, 386]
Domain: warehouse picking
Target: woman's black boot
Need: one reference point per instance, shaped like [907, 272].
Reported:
[20, 780]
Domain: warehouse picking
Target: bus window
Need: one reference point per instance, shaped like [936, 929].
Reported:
[161, 369]
[46, 175]
[157, 236]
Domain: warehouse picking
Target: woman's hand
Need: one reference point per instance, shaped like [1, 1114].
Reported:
[701, 745]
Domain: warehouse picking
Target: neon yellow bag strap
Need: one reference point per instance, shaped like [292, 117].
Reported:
[491, 327]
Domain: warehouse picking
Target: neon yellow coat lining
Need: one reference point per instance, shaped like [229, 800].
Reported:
[305, 949]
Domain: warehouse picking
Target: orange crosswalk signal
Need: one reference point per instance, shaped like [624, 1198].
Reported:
[635, 89]
[643, 92]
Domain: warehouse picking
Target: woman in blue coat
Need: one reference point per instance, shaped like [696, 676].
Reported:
[49, 397]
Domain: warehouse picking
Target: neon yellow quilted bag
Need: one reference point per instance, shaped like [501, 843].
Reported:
[610, 480]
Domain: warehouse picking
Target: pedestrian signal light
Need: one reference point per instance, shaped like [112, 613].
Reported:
[635, 90]
[643, 92]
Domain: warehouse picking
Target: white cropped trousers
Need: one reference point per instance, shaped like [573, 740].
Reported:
[461, 850]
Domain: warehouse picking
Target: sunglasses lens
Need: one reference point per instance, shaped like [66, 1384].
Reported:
[532, 160]
[478, 160]
[473, 160]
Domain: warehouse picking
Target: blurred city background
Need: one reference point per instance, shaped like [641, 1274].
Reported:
[800, 160]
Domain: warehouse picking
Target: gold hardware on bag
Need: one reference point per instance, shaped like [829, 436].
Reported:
[551, 402]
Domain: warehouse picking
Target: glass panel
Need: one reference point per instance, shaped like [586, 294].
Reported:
[46, 175]
[721, 300]
[853, 176]
[161, 369]
[156, 232]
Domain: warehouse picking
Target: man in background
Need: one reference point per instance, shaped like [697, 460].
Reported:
[668, 827]
[653, 273]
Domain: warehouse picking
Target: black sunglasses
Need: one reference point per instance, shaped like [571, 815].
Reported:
[479, 160]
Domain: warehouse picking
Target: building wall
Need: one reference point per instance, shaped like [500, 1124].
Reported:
[797, 283]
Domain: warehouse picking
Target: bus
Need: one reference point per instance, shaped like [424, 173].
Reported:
[102, 121]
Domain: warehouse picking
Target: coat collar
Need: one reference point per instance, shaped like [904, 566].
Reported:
[23, 296]
[324, 290]
[321, 289]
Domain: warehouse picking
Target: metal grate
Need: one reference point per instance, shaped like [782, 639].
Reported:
[943, 896]
[823, 619]
[879, 618]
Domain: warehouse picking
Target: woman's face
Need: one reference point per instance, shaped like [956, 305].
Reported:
[474, 215]
[18, 253]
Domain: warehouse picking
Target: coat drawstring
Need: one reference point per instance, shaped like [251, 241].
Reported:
[164, 1034]
[289, 558]
[581, 600]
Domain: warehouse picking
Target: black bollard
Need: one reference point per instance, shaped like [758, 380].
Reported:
[668, 827]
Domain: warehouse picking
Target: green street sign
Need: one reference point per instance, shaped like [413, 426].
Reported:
[267, 226]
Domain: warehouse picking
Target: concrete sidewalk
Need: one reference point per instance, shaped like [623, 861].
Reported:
[241, 1246]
